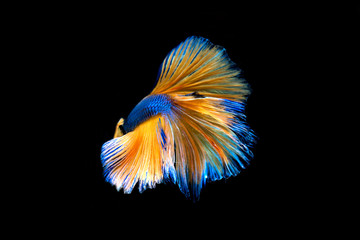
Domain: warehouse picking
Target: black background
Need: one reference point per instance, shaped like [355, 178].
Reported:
[128, 51]
[124, 54]
[112, 56]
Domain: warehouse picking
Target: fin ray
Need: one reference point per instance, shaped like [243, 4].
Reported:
[138, 156]
[198, 65]
[207, 144]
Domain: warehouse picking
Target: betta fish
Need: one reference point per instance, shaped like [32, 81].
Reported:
[191, 129]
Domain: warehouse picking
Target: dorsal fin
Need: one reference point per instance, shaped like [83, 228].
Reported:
[197, 65]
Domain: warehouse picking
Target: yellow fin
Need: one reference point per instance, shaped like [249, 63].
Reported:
[118, 132]
[197, 65]
[138, 156]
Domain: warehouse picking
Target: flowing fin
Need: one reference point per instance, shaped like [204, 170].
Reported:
[142, 155]
[212, 141]
[197, 65]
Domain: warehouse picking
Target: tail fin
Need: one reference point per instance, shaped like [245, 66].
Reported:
[212, 141]
[197, 65]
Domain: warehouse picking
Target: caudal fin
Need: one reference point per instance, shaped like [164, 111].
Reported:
[212, 139]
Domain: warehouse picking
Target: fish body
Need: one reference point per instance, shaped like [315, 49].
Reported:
[191, 129]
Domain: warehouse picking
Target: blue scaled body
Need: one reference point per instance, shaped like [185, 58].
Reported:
[148, 107]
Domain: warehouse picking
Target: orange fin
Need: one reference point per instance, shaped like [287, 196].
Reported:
[197, 65]
[139, 157]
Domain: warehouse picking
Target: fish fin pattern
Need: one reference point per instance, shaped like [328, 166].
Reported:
[141, 156]
[212, 139]
[197, 65]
